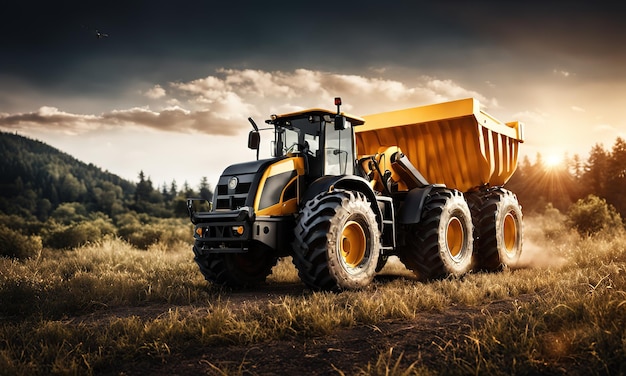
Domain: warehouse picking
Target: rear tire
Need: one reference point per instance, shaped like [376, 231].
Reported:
[441, 244]
[337, 241]
[499, 231]
[235, 269]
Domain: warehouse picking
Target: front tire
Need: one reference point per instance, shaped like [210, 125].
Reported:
[337, 241]
[441, 244]
[235, 269]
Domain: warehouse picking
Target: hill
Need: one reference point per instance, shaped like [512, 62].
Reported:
[49, 198]
[35, 178]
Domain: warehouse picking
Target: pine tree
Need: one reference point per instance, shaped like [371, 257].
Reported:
[616, 176]
[205, 189]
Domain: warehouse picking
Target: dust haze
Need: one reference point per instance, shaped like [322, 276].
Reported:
[541, 239]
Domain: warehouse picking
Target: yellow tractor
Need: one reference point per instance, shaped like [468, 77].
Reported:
[342, 193]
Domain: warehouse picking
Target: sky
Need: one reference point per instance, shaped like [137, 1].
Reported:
[166, 87]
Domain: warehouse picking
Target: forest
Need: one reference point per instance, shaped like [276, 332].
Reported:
[50, 199]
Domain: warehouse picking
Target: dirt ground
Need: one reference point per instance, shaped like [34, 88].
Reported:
[347, 351]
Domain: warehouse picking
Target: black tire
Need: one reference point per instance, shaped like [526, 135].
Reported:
[337, 242]
[235, 269]
[441, 244]
[499, 232]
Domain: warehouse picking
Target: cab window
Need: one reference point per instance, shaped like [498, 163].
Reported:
[338, 151]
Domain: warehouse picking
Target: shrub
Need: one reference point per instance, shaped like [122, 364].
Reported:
[553, 223]
[70, 212]
[143, 231]
[77, 234]
[143, 237]
[592, 215]
[16, 245]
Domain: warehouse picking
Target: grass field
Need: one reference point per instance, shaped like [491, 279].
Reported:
[107, 308]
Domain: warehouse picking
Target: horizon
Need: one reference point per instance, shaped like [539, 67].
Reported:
[550, 162]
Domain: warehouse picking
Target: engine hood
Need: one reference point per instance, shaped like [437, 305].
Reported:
[251, 167]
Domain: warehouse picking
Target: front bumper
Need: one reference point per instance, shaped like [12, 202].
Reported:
[239, 231]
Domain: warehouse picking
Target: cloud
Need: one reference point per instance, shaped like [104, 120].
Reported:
[605, 128]
[251, 90]
[577, 109]
[220, 103]
[173, 119]
[155, 92]
[449, 89]
[50, 118]
[561, 73]
[532, 117]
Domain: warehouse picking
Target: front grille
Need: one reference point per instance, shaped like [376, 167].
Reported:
[243, 188]
[230, 202]
[233, 199]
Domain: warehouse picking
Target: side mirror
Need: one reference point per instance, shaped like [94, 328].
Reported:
[254, 139]
[340, 123]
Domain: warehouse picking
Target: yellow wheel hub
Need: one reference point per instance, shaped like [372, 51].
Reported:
[454, 236]
[353, 244]
[510, 233]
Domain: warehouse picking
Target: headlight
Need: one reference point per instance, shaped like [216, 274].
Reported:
[232, 182]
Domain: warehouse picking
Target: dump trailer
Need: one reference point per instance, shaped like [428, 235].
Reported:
[342, 193]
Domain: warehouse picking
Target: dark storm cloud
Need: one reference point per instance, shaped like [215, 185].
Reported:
[55, 44]
[64, 33]
[53, 48]
[582, 34]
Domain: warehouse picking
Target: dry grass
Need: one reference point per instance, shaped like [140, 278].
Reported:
[85, 310]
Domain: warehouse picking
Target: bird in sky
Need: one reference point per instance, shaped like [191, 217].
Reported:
[100, 35]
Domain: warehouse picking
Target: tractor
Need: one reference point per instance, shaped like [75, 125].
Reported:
[343, 193]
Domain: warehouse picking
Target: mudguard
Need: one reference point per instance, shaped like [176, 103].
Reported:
[347, 182]
[411, 210]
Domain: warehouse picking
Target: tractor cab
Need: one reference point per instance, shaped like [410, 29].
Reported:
[324, 138]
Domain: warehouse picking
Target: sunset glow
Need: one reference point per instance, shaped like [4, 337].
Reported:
[553, 161]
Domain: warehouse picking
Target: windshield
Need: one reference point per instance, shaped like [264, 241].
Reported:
[299, 135]
[288, 141]
[338, 151]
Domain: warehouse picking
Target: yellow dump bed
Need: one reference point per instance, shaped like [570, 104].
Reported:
[452, 143]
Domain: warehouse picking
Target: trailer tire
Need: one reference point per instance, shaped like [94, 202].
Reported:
[337, 241]
[499, 231]
[235, 269]
[441, 244]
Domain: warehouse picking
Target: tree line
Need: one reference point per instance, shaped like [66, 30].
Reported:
[602, 174]
[50, 199]
[35, 179]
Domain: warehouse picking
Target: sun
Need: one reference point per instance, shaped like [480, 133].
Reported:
[553, 160]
